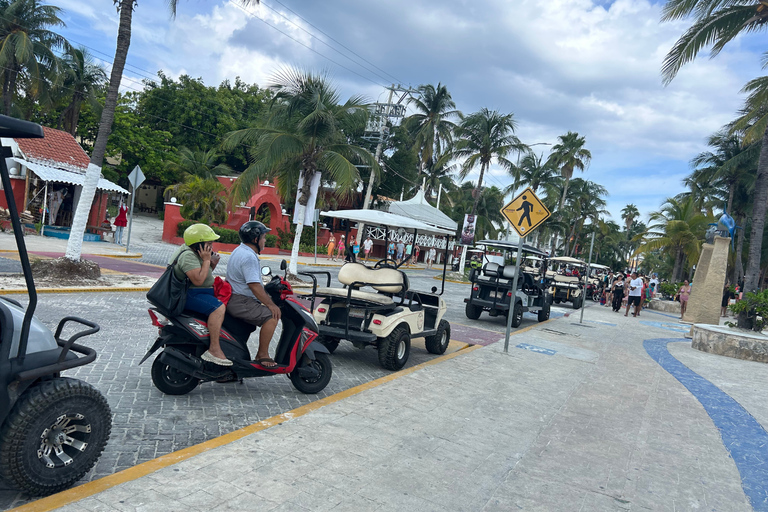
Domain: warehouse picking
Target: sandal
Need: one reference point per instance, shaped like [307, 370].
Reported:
[261, 360]
[207, 356]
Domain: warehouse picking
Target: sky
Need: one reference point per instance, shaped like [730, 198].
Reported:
[587, 66]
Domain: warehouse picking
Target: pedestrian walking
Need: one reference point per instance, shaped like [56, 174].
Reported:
[635, 295]
[617, 293]
[120, 222]
[683, 293]
[331, 247]
[367, 246]
[340, 249]
[416, 250]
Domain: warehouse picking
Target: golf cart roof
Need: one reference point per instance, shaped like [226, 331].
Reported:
[512, 246]
[475, 250]
[379, 218]
[568, 260]
[600, 267]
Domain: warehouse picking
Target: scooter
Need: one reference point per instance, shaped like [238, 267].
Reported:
[178, 369]
[53, 429]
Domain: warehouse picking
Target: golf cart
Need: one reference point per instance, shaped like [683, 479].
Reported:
[492, 286]
[52, 428]
[594, 281]
[567, 288]
[388, 313]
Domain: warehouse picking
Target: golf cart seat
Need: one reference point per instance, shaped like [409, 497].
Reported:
[386, 282]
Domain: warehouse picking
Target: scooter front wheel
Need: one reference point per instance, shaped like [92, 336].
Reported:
[316, 383]
[171, 381]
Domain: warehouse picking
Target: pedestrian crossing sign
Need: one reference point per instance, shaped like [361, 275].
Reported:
[526, 212]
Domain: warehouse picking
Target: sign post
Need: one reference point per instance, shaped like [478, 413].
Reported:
[534, 213]
[136, 178]
[586, 283]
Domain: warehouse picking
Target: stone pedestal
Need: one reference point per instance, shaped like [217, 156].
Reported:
[708, 283]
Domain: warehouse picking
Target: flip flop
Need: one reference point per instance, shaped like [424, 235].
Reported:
[261, 360]
[207, 356]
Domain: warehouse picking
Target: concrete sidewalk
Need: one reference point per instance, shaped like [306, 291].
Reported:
[613, 414]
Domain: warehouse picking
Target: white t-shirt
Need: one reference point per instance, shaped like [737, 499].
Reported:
[638, 284]
[367, 245]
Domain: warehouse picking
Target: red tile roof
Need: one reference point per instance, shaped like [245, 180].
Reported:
[55, 146]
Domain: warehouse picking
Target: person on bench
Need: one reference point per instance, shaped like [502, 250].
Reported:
[250, 302]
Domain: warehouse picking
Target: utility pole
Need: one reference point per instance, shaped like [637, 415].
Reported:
[383, 113]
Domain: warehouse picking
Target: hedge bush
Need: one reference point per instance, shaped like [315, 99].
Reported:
[228, 236]
[272, 240]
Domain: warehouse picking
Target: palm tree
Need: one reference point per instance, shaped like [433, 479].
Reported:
[534, 172]
[204, 164]
[27, 45]
[439, 172]
[486, 136]
[567, 155]
[306, 131]
[585, 202]
[716, 23]
[93, 173]
[202, 199]
[84, 77]
[431, 125]
[628, 215]
[677, 230]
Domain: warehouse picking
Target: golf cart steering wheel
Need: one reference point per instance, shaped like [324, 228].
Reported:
[385, 263]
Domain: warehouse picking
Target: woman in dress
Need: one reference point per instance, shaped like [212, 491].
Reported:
[331, 247]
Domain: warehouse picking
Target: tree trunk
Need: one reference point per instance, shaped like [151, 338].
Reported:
[8, 89]
[304, 193]
[677, 266]
[760, 201]
[565, 191]
[478, 189]
[739, 266]
[75, 244]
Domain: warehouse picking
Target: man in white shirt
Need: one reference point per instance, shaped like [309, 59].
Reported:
[367, 246]
[635, 294]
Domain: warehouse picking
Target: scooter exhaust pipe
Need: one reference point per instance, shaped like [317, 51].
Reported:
[188, 364]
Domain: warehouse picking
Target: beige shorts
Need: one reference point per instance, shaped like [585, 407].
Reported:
[248, 310]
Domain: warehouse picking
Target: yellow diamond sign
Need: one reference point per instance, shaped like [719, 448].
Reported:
[526, 212]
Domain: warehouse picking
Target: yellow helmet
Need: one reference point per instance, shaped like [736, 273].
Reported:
[199, 233]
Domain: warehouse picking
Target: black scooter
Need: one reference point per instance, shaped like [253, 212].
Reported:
[178, 369]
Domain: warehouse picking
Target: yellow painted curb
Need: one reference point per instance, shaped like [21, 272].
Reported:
[78, 290]
[134, 255]
[440, 278]
[91, 488]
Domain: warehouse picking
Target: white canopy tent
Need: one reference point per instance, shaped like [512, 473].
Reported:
[380, 218]
[418, 208]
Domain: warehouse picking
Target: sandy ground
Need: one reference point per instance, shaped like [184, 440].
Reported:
[16, 282]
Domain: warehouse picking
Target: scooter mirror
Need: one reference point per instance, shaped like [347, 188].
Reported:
[266, 271]
[283, 265]
[434, 289]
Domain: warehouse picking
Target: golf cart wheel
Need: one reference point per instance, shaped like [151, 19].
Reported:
[395, 348]
[310, 386]
[517, 315]
[330, 343]
[544, 313]
[439, 342]
[595, 297]
[557, 301]
[473, 312]
[577, 302]
[171, 381]
[54, 435]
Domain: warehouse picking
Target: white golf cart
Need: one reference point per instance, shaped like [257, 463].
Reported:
[564, 287]
[374, 306]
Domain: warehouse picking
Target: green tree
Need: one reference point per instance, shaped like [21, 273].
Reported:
[84, 78]
[628, 214]
[202, 200]
[27, 45]
[533, 171]
[486, 136]
[305, 131]
[715, 24]
[567, 155]
[204, 164]
[431, 125]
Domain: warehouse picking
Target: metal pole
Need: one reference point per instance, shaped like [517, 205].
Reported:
[45, 210]
[130, 222]
[586, 283]
[513, 298]
[315, 237]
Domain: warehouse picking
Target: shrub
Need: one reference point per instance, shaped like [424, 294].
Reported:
[754, 307]
[228, 236]
[272, 240]
[669, 290]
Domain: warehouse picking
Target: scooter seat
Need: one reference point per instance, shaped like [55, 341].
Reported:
[376, 298]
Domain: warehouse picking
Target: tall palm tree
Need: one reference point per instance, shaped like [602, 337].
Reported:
[204, 164]
[534, 172]
[678, 230]
[439, 172]
[567, 155]
[202, 199]
[585, 202]
[486, 136]
[93, 173]
[306, 131]
[84, 78]
[628, 214]
[26, 44]
[431, 125]
[716, 23]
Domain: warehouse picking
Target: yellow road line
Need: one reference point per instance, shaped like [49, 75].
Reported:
[91, 488]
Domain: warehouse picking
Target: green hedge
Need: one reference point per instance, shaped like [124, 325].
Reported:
[228, 236]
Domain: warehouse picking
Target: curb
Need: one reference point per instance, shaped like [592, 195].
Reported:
[127, 475]
[440, 278]
[77, 290]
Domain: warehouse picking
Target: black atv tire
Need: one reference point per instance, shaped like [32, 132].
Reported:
[543, 314]
[330, 343]
[81, 416]
[517, 315]
[322, 363]
[578, 302]
[472, 311]
[395, 348]
[439, 342]
[171, 381]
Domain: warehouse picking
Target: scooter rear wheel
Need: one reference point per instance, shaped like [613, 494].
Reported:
[310, 386]
[170, 380]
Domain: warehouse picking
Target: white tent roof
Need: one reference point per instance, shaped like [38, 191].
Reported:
[48, 173]
[379, 218]
[418, 208]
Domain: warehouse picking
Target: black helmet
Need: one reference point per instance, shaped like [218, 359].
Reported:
[251, 230]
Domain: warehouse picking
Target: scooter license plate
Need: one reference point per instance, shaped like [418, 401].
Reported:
[356, 313]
